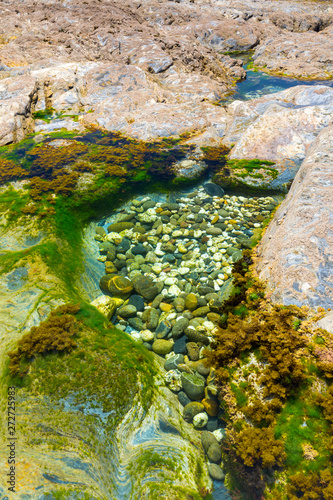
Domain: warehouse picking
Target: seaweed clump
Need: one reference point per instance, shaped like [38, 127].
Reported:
[54, 334]
[10, 171]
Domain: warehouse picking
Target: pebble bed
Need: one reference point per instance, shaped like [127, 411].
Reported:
[167, 274]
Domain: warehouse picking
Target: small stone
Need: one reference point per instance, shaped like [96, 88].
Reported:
[193, 386]
[173, 362]
[136, 323]
[110, 268]
[200, 420]
[163, 329]
[211, 407]
[137, 301]
[127, 311]
[193, 351]
[152, 318]
[144, 285]
[117, 227]
[165, 307]
[202, 368]
[123, 246]
[214, 231]
[215, 472]
[219, 434]
[212, 424]
[179, 304]
[213, 317]
[179, 346]
[162, 347]
[194, 336]
[139, 250]
[191, 302]
[182, 249]
[207, 439]
[201, 311]
[173, 379]
[214, 453]
[191, 410]
[147, 335]
[179, 327]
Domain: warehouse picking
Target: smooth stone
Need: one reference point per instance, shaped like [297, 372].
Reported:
[127, 311]
[117, 227]
[163, 329]
[207, 439]
[179, 304]
[201, 311]
[123, 246]
[105, 247]
[139, 250]
[111, 253]
[179, 327]
[136, 301]
[212, 424]
[162, 347]
[215, 472]
[157, 300]
[214, 453]
[211, 407]
[214, 231]
[117, 286]
[148, 204]
[236, 256]
[106, 305]
[191, 302]
[193, 386]
[183, 399]
[136, 323]
[200, 420]
[147, 335]
[110, 268]
[179, 346]
[194, 336]
[165, 307]
[191, 410]
[202, 368]
[145, 286]
[152, 318]
[219, 434]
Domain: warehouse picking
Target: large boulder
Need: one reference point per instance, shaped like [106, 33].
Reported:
[295, 255]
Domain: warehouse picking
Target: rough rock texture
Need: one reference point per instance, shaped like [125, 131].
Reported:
[296, 252]
[279, 127]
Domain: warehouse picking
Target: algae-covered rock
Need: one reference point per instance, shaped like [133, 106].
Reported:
[192, 409]
[193, 386]
[118, 227]
[117, 286]
[145, 286]
[162, 347]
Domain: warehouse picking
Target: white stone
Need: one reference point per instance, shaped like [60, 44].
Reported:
[177, 234]
[151, 258]
[170, 281]
[216, 286]
[165, 238]
[184, 270]
[219, 434]
[217, 257]
[147, 335]
[173, 379]
[156, 268]
[174, 290]
[172, 316]
[200, 420]
[136, 336]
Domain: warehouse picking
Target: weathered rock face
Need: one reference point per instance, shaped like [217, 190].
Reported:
[300, 55]
[296, 252]
[279, 127]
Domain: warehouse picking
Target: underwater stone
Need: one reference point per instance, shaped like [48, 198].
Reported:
[214, 453]
[117, 227]
[207, 439]
[173, 362]
[162, 347]
[193, 386]
[183, 399]
[127, 311]
[200, 420]
[213, 189]
[144, 285]
[137, 301]
[106, 305]
[163, 329]
[178, 328]
[191, 302]
[215, 472]
[191, 410]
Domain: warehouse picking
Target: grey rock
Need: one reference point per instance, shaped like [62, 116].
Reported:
[128, 311]
[136, 324]
[172, 363]
[144, 285]
[163, 329]
[214, 231]
[193, 386]
[183, 399]
[137, 301]
[213, 189]
[192, 409]
[179, 346]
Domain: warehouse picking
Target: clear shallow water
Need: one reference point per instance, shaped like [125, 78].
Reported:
[258, 83]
